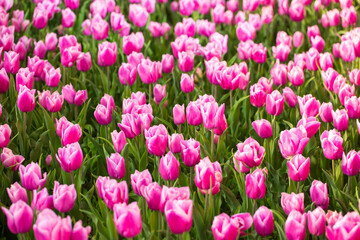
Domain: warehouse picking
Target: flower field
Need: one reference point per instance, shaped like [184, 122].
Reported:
[187, 119]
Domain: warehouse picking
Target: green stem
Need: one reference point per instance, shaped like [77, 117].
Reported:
[168, 232]
[76, 111]
[333, 168]
[191, 177]
[231, 98]
[298, 187]
[144, 208]
[212, 145]
[24, 133]
[160, 223]
[349, 185]
[149, 93]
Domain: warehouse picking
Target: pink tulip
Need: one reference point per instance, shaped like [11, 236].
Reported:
[156, 140]
[149, 71]
[295, 226]
[290, 97]
[11, 62]
[48, 224]
[116, 166]
[250, 153]
[64, 197]
[118, 140]
[326, 112]
[39, 49]
[52, 77]
[299, 168]
[54, 102]
[5, 133]
[107, 54]
[41, 200]
[186, 61]
[127, 219]
[223, 227]
[10, 160]
[296, 76]
[340, 119]
[193, 114]
[245, 31]
[169, 167]
[292, 142]
[266, 84]
[30, 176]
[4, 81]
[19, 217]
[257, 95]
[152, 194]
[26, 99]
[80, 232]
[111, 191]
[138, 15]
[178, 215]
[208, 175]
[319, 194]
[309, 105]
[354, 76]
[119, 24]
[190, 152]
[99, 28]
[40, 18]
[159, 93]
[187, 83]
[68, 18]
[83, 63]
[263, 221]
[16, 193]
[345, 227]
[263, 128]
[139, 180]
[292, 202]
[72, 4]
[298, 39]
[279, 73]
[310, 124]
[326, 61]
[70, 157]
[133, 43]
[103, 114]
[352, 106]
[347, 51]
[316, 221]
[127, 74]
[331, 142]
[274, 103]
[255, 184]
[351, 163]
[167, 63]
[175, 142]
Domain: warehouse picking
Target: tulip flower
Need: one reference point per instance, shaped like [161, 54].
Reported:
[26, 99]
[326, 110]
[169, 167]
[152, 194]
[16, 193]
[99, 28]
[190, 152]
[319, 194]
[4, 81]
[118, 140]
[250, 153]
[127, 219]
[178, 215]
[111, 191]
[340, 119]
[116, 166]
[223, 227]
[139, 180]
[193, 114]
[279, 73]
[64, 197]
[290, 97]
[263, 221]
[133, 43]
[19, 217]
[291, 202]
[167, 63]
[149, 71]
[316, 221]
[243, 221]
[119, 24]
[159, 93]
[351, 163]
[30, 176]
[263, 128]
[107, 54]
[138, 15]
[10, 160]
[275, 103]
[296, 76]
[310, 124]
[186, 61]
[345, 227]
[11, 62]
[298, 39]
[48, 224]
[255, 184]
[175, 142]
[5, 133]
[41, 200]
[187, 83]
[257, 95]
[52, 77]
[127, 74]
[299, 168]
[70, 157]
[51, 41]
[295, 226]
[83, 63]
[293, 141]
[208, 175]
[24, 77]
[156, 140]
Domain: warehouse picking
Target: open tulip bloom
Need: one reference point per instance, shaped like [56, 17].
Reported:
[188, 119]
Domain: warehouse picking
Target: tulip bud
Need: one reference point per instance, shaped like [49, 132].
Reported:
[127, 74]
[19, 217]
[316, 221]
[223, 227]
[16, 193]
[159, 93]
[107, 53]
[175, 142]
[299, 168]
[118, 140]
[190, 152]
[152, 194]
[70, 157]
[139, 180]
[127, 219]
[295, 221]
[10, 160]
[30, 176]
[290, 202]
[208, 176]
[319, 194]
[41, 200]
[167, 63]
[116, 166]
[351, 163]
[187, 83]
[263, 221]
[64, 197]
[111, 191]
[340, 119]
[178, 215]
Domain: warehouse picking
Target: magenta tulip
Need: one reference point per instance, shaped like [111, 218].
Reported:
[299, 168]
[127, 219]
[19, 217]
[30, 176]
[111, 191]
[295, 226]
[263, 221]
[190, 152]
[64, 197]
[255, 184]
[291, 202]
[16, 193]
[169, 167]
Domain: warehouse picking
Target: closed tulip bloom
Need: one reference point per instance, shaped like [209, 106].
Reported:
[331, 143]
[178, 215]
[316, 221]
[5, 133]
[68, 18]
[347, 51]
[345, 90]
[127, 219]
[4, 81]
[245, 31]
[190, 152]
[149, 71]
[159, 93]
[187, 83]
[51, 41]
[24, 77]
[208, 175]
[352, 106]
[329, 78]
[326, 112]
[319, 194]
[208, 112]
[119, 24]
[298, 39]
[169, 167]
[133, 43]
[129, 125]
[70, 157]
[135, 58]
[296, 76]
[186, 61]
[263, 221]
[68, 132]
[351, 163]
[295, 226]
[354, 76]
[80, 232]
[281, 51]
[140, 97]
[255, 184]
[127, 74]
[152, 194]
[116, 166]
[340, 119]
[69, 93]
[299, 168]
[250, 153]
[290, 97]
[16, 193]
[41, 200]
[279, 73]
[167, 63]
[275, 103]
[326, 61]
[139, 180]
[111, 191]
[312, 59]
[52, 77]
[138, 15]
[72, 4]
[99, 28]
[10, 160]
[223, 227]
[175, 142]
[333, 17]
[292, 142]
[103, 114]
[290, 202]
[48, 224]
[11, 62]
[107, 54]
[156, 140]
[193, 114]
[64, 197]
[26, 99]
[19, 217]
[118, 140]
[263, 128]
[257, 95]
[173, 193]
[245, 50]
[30, 176]
[54, 102]
[83, 63]
[311, 125]
[309, 105]
[345, 227]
